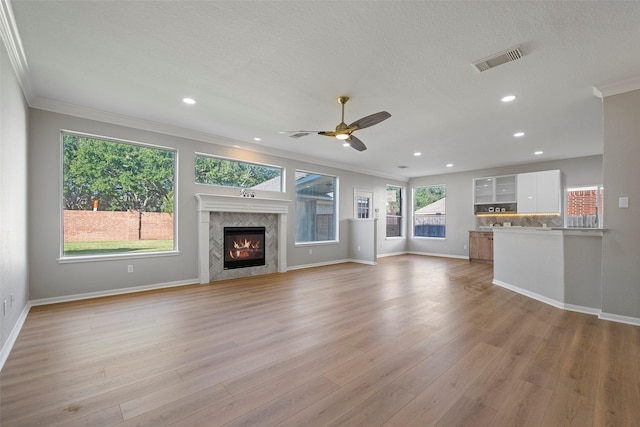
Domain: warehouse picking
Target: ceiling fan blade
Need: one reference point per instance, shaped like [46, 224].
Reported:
[356, 143]
[298, 133]
[371, 120]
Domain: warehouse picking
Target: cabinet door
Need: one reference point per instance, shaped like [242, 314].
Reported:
[527, 192]
[483, 191]
[505, 189]
[548, 191]
[481, 246]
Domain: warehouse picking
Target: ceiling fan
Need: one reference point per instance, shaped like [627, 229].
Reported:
[345, 132]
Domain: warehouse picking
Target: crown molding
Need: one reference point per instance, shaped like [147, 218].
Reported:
[628, 85]
[162, 128]
[13, 44]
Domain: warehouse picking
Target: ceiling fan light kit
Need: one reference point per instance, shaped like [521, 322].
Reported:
[343, 131]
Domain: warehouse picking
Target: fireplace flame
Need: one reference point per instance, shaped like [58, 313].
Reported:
[244, 249]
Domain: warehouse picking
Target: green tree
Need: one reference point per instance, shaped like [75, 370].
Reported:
[119, 176]
[229, 173]
[424, 196]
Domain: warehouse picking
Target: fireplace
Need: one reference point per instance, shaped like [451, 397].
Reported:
[243, 247]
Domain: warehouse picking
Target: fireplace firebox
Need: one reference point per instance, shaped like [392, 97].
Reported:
[243, 247]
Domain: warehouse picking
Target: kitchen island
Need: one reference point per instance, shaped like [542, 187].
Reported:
[559, 266]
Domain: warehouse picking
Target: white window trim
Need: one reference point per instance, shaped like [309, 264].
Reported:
[116, 256]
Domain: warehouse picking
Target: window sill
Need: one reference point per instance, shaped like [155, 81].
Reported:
[318, 243]
[97, 258]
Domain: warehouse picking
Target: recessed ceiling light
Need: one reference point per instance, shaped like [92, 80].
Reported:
[417, 154]
[518, 134]
[189, 101]
[508, 98]
[402, 167]
[449, 165]
[346, 144]
[257, 139]
[537, 153]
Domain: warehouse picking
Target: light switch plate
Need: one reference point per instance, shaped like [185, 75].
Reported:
[623, 202]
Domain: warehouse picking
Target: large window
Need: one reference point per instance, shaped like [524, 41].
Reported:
[118, 197]
[429, 213]
[316, 196]
[232, 173]
[394, 211]
[584, 206]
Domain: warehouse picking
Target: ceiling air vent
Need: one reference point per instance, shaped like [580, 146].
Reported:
[498, 59]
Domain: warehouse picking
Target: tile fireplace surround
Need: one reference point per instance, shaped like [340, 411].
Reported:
[208, 203]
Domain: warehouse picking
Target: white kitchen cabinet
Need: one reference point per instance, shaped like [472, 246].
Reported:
[539, 192]
[494, 189]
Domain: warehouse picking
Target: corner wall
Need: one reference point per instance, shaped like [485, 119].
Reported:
[13, 206]
[621, 241]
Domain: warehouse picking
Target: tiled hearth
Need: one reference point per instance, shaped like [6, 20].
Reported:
[219, 220]
[216, 212]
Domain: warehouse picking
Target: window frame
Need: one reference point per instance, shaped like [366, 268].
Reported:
[234, 160]
[64, 259]
[400, 217]
[336, 207]
[413, 212]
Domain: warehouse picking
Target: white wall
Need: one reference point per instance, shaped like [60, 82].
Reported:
[49, 279]
[621, 242]
[459, 204]
[13, 201]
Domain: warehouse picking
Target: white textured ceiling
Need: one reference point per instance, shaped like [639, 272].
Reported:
[259, 67]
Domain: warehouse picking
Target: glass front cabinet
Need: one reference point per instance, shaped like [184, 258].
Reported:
[495, 194]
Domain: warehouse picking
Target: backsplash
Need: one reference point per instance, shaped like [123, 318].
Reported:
[520, 220]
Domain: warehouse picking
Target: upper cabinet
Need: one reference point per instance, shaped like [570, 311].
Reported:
[506, 189]
[539, 192]
[495, 189]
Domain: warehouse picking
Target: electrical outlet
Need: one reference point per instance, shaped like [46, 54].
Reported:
[129, 268]
[4, 307]
[465, 247]
[310, 251]
[358, 248]
[11, 300]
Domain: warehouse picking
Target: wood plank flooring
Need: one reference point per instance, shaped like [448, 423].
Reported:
[412, 341]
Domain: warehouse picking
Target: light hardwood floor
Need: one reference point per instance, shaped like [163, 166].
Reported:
[413, 341]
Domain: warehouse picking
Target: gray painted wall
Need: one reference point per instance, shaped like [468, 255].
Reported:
[13, 200]
[459, 204]
[621, 242]
[51, 279]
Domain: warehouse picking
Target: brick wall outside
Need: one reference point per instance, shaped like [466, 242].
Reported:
[582, 202]
[91, 226]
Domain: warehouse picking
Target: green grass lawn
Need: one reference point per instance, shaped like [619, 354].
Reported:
[114, 247]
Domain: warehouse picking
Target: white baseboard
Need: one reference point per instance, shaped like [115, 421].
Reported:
[391, 254]
[571, 307]
[11, 339]
[317, 264]
[535, 296]
[438, 255]
[360, 261]
[111, 292]
[620, 319]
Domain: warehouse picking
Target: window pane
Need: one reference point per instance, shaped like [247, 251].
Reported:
[315, 207]
[584, 207]
[429, 211]
[394, 211]
[117, 197]
[231, 173]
